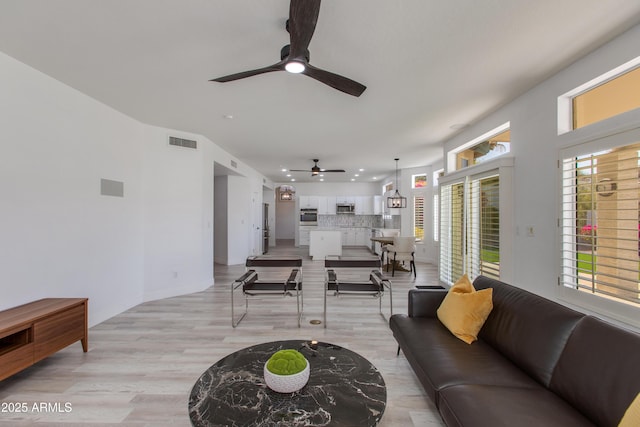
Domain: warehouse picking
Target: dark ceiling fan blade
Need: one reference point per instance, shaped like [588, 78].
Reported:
[275, 67]
[336, 81]
[332, 170]
[300, 170]
[303, 16]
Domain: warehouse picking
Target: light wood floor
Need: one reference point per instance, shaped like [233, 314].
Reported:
[142, 364]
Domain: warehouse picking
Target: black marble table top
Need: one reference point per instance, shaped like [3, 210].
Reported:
[344, 389]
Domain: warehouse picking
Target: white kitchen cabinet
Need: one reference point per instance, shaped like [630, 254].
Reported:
[326, 205]
[361, 236]
[308, 202]
[378, 205]
[331, 205]
[364, 205]
[304, 236]
[348, 237]
[345, 200]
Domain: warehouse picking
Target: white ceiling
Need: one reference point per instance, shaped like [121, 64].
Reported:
[427, 65]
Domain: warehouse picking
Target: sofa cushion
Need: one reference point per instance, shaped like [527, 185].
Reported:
[464, 310]
[598, 370]
[439, 359]
[529, 330]
[478, 405]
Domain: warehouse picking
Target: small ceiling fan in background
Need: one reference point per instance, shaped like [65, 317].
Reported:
[316, 170]
[303, 16]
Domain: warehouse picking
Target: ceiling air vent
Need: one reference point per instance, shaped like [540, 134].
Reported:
[181, 142]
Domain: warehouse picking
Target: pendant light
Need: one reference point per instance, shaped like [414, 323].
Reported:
[396, 201]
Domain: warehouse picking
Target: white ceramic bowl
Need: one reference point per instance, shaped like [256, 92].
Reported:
[286, 383]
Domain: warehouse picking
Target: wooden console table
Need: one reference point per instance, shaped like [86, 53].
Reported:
[33, 331]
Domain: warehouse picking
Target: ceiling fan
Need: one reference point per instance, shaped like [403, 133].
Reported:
[303, 16]
[316, 170]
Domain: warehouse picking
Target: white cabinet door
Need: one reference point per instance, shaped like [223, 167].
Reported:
[331, 205]
[304, 237]
[345, 199]
[323, 208]
[364, 205]
[378, 205]
[308, 202]
[361, 237]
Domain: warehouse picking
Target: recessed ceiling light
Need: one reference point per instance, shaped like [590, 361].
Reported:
[228, 117]
[293, 179]
[361, 170]
[284, 170]
[375, 177]
[322, 175]
[321, 179]
[288, 175]
[357, 174]
[353, 179]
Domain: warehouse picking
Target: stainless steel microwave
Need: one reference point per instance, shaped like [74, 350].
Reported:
[345, 208]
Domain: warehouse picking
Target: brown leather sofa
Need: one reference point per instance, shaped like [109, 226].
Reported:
[536, 362]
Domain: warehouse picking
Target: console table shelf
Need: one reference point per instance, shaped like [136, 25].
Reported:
[33, 331]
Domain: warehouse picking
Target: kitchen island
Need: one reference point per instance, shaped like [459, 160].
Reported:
[324, 242]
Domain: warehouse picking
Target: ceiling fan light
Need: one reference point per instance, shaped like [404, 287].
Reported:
[294, 67]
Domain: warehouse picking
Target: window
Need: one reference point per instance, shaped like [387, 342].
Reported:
[418, 217]
[492, 144]
[419, 181]
[387, 187]
[436, 217]
[600, 222]
[436, 204]
[609, 99]
[612, 93]
[485, 150]
[470, 227]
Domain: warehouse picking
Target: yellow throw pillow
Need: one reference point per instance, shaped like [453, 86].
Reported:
[464, 310]
[631, 417]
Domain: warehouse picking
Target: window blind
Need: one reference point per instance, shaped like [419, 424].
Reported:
[470, 228]
[484, 227]
[418, 217]
[600, 223]
[436, 217]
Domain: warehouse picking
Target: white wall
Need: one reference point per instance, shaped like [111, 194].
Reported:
[178, 215]
[60, 238]
[536, 146]
[238, 219]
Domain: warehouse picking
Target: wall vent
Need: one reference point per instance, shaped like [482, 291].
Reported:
[181, 142]
[234, 164]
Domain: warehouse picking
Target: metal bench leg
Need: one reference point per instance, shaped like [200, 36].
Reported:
[298, 305]
[325, 307]
[246, 305]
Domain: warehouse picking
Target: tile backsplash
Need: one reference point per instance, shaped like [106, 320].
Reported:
[369, 221]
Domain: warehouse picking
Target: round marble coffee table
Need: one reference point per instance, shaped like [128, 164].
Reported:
[344, 389]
